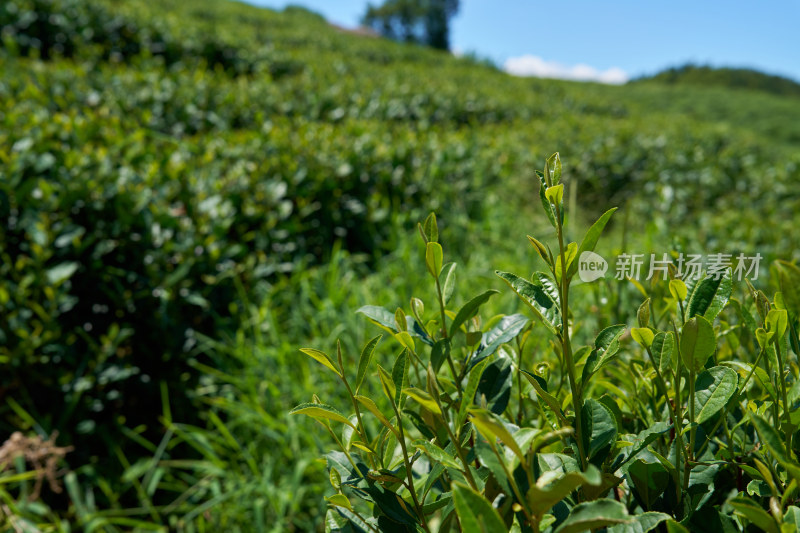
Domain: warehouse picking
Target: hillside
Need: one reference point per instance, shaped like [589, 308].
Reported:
[731, 78]
[191, 191]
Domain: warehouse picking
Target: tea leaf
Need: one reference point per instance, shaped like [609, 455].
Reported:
[649, 479]
[662, 348]
[770, 438]
[678, 289]
[379, 316]
[540, 249]
[447, 280]
[643, 314]
[606, 346]
[322, 357]
[400, 375]
[698, 343]
[320, 411]
[712, 390]
[370, 405]
[437, 454]
[469, 309]
[643, 336]
[545, 307]
[599, 427]
[710, 296]
[364, 360]
[475, 513]
[493, 429]
[641, 523]
[433, 258]
[431, 229]
[469, 391]
[789, 281]
[591, 515]
[777, 322]
[423, 398]
[592, 236]
[755, 514]
[548, 491]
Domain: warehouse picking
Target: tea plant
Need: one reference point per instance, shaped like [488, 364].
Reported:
[686, 421]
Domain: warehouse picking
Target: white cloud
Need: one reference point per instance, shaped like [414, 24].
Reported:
[530, 65]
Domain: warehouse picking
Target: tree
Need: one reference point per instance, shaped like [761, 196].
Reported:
[417, 21]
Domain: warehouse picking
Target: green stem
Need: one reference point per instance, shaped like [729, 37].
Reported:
[450, 362]
[409, 474]
[563, 289]
[787, 423]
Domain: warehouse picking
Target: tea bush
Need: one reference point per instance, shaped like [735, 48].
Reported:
[549, 425]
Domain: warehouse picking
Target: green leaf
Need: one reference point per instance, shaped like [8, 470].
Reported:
[431, 229]
[662, 348]
[400, 320]
[437, 454]
[712, 391]
[424, 399]
[755, 514]
[777, 322]
[503, 332]
[789, 281]
[770, 438]
[542, 394]
[540, 249]
[440, 353]
[370, 405]
[792, 517]
[320, 411]
[537, 298]
[447, 281]
[710, 296]
[649, 479]
[400, 375]
[475, 513]
[599, 427]
[553, 486]
[592, 515]
[643, 314]
[339, 500]
[548, 209]
[698, 342]
[643, 336]
[379, 315]
[493, 428]
[470, 390]
[553, 168]
[469, 309]
[678, 289]
[592, 236]
[364, 360]
[433, 258]
[555, 195]
[640, 523]
[606, 346]
[61, 273]
[322, 357]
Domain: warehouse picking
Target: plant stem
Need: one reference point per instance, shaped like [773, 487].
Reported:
[787, 424]
[409, 474]
[563, 289]
[444, 333]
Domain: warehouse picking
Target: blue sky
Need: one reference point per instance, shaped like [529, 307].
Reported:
[611, 41]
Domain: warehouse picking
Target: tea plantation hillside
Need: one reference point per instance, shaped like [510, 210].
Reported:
[191, 191]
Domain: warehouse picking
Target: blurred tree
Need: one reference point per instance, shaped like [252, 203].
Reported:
[417, 21]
